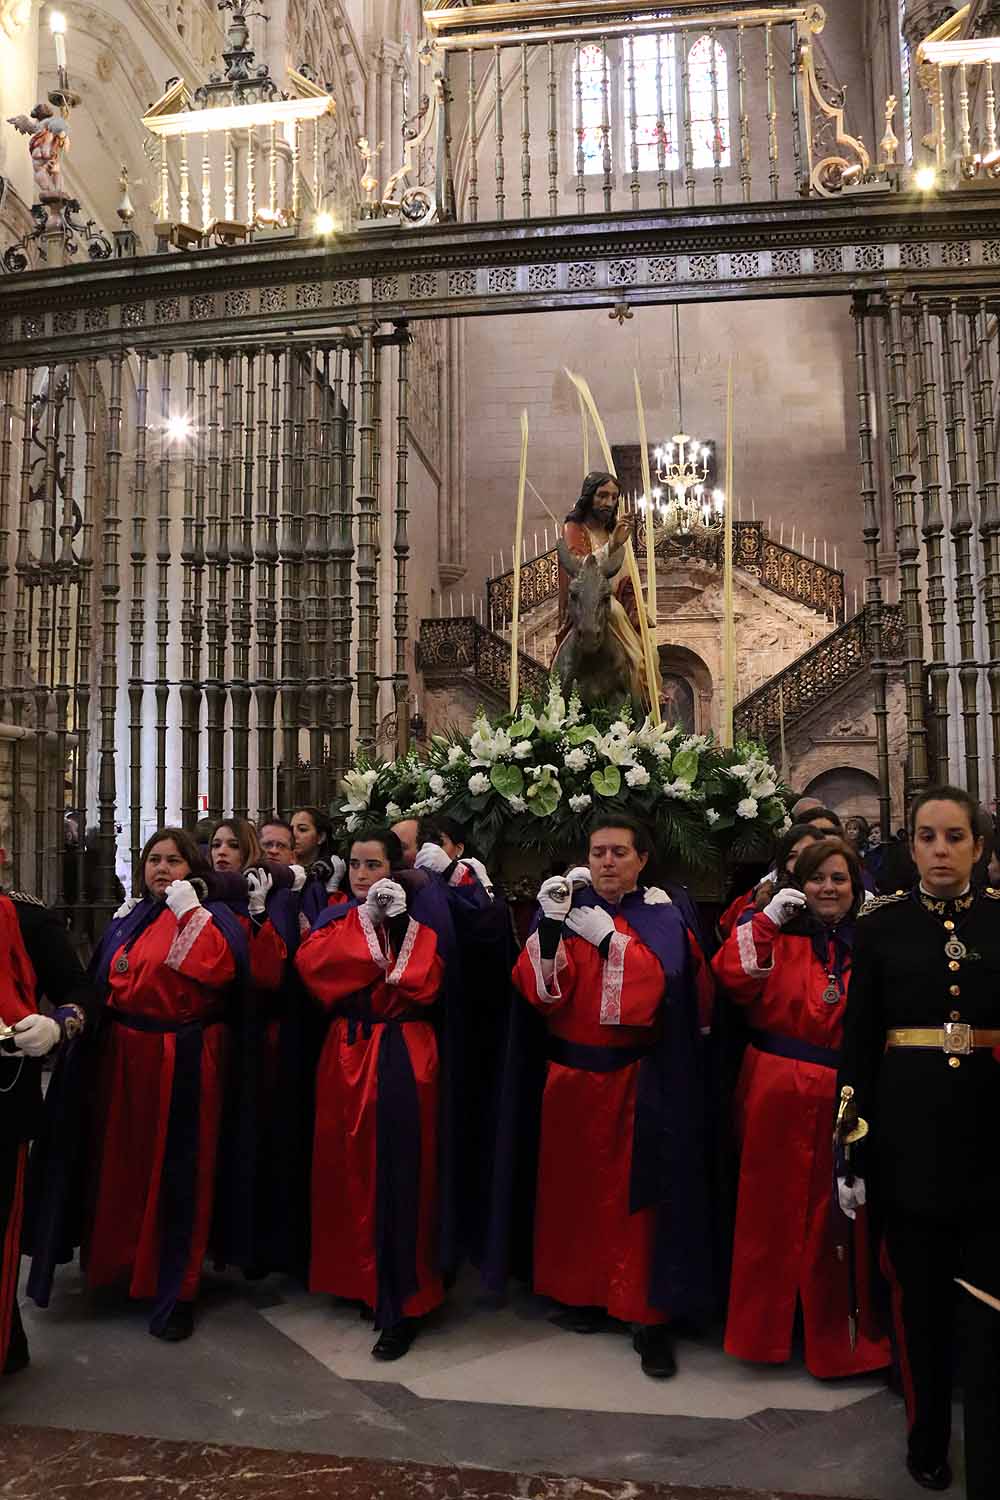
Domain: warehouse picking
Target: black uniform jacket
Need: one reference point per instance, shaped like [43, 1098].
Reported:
[62, 981]
[933, 1148]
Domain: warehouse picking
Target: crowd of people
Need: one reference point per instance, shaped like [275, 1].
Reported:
[352, 1067]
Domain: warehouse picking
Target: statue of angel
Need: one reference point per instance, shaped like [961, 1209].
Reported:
[49, 137]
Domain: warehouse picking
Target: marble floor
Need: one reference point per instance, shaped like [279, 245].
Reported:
[502, 1389]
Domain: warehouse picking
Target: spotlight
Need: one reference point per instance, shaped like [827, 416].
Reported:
[925, 179]
[324, 224]
[179, 428]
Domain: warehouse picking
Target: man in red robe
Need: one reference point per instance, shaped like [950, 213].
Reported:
[610, 970]
[35, 959]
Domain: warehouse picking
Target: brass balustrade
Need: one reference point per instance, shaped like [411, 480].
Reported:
[780, 569]
[463, 645]
[812, 677]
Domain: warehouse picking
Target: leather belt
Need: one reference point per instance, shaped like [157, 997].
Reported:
[956, 1038]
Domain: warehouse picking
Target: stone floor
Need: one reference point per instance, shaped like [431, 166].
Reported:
[503, 1390]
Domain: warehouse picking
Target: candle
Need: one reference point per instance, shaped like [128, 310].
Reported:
[781, 538]
[57, 25]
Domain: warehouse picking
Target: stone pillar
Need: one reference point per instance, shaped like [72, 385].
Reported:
[19, 68]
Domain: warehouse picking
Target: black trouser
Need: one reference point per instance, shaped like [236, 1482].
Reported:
[925, 1256]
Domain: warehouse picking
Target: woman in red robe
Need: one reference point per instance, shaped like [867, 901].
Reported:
[790, 967]
[377, 972]
[160, 1084]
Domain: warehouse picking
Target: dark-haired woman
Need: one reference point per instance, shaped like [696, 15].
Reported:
[787, 850]
[922, 1054]
[166, 965]
[325, 870]
[790, 966]
[377, 971]
[592, 529]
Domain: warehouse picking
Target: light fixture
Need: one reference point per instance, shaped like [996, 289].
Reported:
[925, 179]
[324, 224]
[57, 26]
[179, 428]
[682, 501]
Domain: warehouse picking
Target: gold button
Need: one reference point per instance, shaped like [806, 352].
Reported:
[955, 1016]
[954, 990]
[949, 927]
[954, 1062]
[953, 963]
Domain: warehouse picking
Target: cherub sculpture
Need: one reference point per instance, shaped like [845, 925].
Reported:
[49, 132]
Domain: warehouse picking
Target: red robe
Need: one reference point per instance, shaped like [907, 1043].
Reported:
[784, 1249]
[348, 960]
[590, 1251]
[176, 971]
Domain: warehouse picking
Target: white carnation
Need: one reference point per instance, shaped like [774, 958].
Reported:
[436, 785]
[662, 749]
[694, 742]
[522, 750]
[517, 804]
[580, 803]
[747, 808]
[576, 760]
[455, 754]
[712, 815]
[478, 784]
[393, 812]
[638, 776]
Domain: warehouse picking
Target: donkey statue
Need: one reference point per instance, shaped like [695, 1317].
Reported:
[591, 657]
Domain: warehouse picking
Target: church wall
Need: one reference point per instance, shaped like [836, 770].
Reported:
[795, 444]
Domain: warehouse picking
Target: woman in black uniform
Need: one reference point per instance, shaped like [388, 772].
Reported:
[922, 1055]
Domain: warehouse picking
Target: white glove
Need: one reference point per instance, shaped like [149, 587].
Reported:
[36, 1035]
[339, 871]
[182, 898]
[555, 897]
[480, 871]
[851, 1196]
[298, 877]
[784, 906]
[127, 905]
[579, 876]
[259, 884]
[385, 899]
[432, 857]
[592, 923]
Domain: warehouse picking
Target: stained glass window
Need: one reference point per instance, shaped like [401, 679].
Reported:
[589, 108]
[708, 103]
[655, 106]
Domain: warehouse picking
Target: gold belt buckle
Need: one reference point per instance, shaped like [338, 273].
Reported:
[957, 1038]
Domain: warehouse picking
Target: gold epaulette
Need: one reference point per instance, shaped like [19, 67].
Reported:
[992, 893]
[874, 902]
[23, 896]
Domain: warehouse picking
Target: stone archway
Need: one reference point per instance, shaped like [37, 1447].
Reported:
[846, 790]
[688, 688]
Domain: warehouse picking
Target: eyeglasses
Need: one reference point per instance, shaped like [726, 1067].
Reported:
[273, 846]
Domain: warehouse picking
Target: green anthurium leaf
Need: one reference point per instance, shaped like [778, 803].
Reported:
[522, 729]
[581, 733]
[543, 799]
[507, 780]
[607, 783]
[685, 765]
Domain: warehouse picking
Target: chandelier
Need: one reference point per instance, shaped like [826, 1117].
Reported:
[683, 500]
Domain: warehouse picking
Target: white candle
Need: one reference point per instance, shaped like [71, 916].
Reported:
[781, 538]
[57, 25]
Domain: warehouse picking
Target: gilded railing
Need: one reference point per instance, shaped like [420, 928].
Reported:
[812, 677]
[535, 106]
[780, 569]
[463, 645]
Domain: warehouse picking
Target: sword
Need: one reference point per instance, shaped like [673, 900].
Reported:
[848, 1129]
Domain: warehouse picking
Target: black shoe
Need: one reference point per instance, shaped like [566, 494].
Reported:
[937, 1477]
[655, 1347]
[179, 1325]
[581, 1319]
[395, 1341]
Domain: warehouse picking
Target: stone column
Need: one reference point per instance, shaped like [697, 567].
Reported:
[19, 39]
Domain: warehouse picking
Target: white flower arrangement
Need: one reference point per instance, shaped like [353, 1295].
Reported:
[528, 779]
